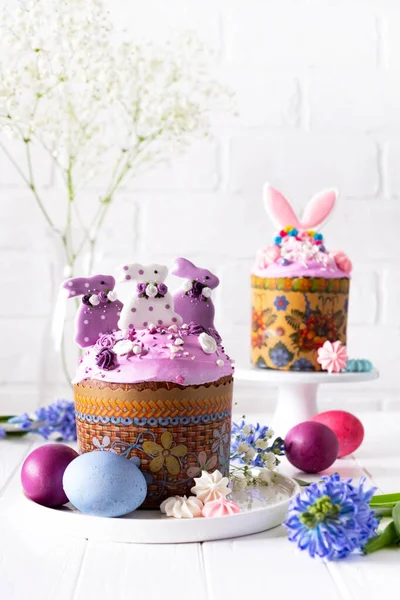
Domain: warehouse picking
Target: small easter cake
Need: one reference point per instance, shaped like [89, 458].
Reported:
[154, 383]
[300, 289]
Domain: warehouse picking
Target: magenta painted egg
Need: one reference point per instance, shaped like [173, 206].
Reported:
[311, 447]
[42, 474]
[348, 429]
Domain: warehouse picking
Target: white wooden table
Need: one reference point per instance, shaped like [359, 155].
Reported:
[263, 565]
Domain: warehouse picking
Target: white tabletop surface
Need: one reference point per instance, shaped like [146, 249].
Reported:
[263, 565]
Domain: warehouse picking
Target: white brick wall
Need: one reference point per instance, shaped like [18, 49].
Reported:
[318, 92]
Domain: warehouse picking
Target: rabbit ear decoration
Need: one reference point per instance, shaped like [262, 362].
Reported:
[279, 208]
[319, 209]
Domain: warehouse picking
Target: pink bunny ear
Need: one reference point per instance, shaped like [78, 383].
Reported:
[279, 208]
[318, 209]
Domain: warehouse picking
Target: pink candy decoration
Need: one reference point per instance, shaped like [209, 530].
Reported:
[342, 260]
[268, 256]
[220, 508]
[332, 357]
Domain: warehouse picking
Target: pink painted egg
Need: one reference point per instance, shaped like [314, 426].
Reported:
[311, 447]
[348, 429]
[42, 474]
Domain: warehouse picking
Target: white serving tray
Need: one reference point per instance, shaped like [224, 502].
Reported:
[263, 507]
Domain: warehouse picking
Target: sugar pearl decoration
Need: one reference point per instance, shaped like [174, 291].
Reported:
[220, 363]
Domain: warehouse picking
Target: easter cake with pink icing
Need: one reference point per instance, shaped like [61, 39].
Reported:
[300, 289]
[154, 382]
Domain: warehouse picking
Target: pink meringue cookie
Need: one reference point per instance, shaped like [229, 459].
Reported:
[220, 508]
[332, 356]
[342, 260]
[268, 256]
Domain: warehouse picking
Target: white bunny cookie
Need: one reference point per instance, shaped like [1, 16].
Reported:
[152, 303]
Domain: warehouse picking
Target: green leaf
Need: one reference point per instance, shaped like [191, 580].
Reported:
[299, 314]
[396, 518]
[5, 419]
[385, 511]
[270, 320]
[383, 500]
[292, 322]
[302, 483]
[389, 537]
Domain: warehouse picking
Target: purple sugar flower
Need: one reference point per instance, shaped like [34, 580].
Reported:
[214, 333]
[106, 359]
[103, 297]
[162, 289]
[196, 328]
[105, 341]
[141, 288]
[197, 288]
[86, 300]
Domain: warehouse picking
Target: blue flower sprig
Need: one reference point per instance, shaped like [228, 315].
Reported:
[53, 422]
[333, 518]
[253, 456]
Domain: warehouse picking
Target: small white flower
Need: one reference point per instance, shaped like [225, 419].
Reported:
[112, 295]
[207, 343]
[250, 454]
[242, 448]
[94, 300]
[246, 430]
[269, 460]
[239, 481]
[187, 285]
[151, 290]
[123, 347]
[265, 475]
[206, 292]
[262, 444]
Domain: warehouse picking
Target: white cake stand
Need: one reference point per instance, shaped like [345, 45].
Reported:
[297, 394]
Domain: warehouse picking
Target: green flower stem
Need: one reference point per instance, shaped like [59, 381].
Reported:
[388, 537]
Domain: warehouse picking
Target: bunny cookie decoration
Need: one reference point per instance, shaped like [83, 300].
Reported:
[152, 303]
[299, 240]
[193, 302]
[100, 309]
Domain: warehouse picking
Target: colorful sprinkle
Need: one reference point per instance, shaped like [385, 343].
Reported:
[277, 239]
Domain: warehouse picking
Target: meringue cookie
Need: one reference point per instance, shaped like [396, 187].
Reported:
[182, 507]
[211, 486]
[220, 508]
[342, 260]
[207, 343]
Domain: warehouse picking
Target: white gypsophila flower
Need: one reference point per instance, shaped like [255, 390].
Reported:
[262, 444]
[250, 454]
[239, 481]
[242, 448]
[265, 475]
[207, 343]
[246, 430]
[206, 292]
[187, 285]
[96, 100]
[269, 460]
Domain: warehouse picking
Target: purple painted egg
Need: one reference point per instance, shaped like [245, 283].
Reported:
[311, 447]
[42, 474]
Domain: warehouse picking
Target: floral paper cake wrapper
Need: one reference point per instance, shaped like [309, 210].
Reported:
[171, 432]
[293, 317]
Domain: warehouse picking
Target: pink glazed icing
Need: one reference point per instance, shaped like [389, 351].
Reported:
[157, 361]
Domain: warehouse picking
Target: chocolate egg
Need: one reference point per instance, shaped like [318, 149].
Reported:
[104, 484]
[42, 473]
[348, 429]
[311, 447]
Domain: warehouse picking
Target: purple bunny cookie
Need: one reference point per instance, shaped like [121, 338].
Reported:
[193, 302]
[100, 309]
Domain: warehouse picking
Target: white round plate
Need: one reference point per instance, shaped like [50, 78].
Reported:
[263, 507]
[287, 377]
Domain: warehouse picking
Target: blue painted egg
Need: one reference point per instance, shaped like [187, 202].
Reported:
[104, 484]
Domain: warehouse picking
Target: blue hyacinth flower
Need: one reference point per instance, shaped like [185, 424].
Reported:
[332, 519]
